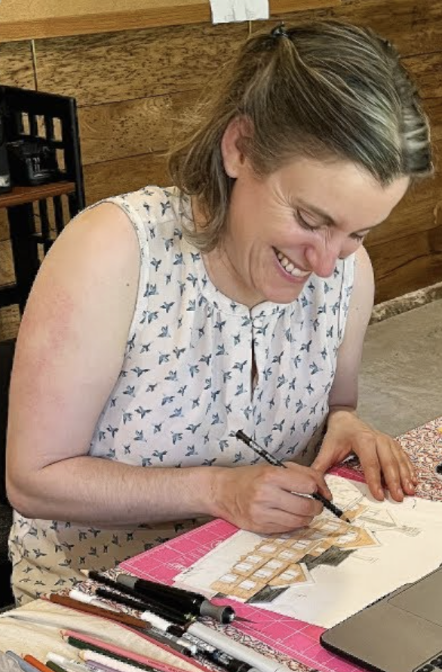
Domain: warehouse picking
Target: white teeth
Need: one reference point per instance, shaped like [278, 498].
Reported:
[290, 267]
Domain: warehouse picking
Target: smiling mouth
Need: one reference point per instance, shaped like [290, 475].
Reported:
[290, 267]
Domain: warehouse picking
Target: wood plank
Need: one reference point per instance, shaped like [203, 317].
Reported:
[129, 128]
[122, 175]
[9, 322]
[414, 26]
[433, 107]
[416, 211]
[16, 65]
[4, 226]
[411, 263]
[20, 195]
[7, 275]
[23, 20]
[139, 64]
[426, 70]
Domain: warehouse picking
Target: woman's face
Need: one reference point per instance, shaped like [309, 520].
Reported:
[297, 221]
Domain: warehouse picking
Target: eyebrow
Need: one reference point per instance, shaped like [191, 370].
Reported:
[328, 218]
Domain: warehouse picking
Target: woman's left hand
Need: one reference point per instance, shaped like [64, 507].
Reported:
[382, 458]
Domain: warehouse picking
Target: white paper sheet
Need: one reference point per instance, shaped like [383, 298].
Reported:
[227, 11]
[390, 544]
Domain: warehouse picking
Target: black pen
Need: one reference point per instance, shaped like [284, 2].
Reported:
[158, 607]
[175, 617]
[271, 459]
[187, 600]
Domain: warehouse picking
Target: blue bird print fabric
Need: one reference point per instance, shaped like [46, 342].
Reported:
[186, 387]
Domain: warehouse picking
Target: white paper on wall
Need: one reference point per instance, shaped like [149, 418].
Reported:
[227, 11]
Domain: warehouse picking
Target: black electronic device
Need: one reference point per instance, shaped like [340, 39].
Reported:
[32, 162]
[401, 632]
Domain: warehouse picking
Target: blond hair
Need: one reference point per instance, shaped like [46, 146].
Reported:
[321, 90]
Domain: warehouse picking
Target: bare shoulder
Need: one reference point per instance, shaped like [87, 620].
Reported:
[102, 230]
[82, 302]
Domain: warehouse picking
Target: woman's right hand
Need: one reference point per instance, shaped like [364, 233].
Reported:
[261, 498]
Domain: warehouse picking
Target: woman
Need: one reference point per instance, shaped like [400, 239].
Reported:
[164, 320]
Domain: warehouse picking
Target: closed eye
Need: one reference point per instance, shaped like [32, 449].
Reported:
[303, 222]
[358, 236]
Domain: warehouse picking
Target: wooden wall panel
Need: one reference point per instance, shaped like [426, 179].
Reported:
[4, 228]
[407, 264]
[16, 65]
[131, 127]
[50, 18]
[426, 69]
[6, 265]
[414, 26]
[124, 66]
[122, 175]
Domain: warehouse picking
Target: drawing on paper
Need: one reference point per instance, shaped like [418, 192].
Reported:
[275, 564]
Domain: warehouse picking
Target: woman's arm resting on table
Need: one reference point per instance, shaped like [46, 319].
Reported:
[69, 354]
[381, 456]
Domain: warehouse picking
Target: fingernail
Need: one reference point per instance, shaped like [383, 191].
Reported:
[410, 485]
[400, 493]
[380, 493]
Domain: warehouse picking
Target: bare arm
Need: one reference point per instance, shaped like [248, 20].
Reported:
[69, 354]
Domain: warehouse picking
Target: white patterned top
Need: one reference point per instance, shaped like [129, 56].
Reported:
[186, 386]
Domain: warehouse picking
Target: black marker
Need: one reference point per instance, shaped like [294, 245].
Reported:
[175, 617]
[132, 596]
[180, 599]
[271, 459]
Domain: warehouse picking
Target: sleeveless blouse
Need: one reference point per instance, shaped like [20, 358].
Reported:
[185, 387]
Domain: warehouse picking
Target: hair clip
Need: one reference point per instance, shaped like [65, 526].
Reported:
[279, 31]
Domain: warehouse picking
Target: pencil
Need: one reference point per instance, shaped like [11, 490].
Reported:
[23, 664]
[82, 641]
[120, 617]
[104, 662]
[36, 663]
[271, 459]
[54, 667]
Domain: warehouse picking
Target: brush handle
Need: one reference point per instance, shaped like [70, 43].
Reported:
[113, 615]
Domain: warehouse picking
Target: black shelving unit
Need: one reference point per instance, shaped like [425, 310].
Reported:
[33, 115]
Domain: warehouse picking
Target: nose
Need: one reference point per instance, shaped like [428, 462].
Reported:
[322, 258]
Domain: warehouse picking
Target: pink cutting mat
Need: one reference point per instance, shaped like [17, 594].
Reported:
[296, 639]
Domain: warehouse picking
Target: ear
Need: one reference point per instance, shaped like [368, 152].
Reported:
[232, 146]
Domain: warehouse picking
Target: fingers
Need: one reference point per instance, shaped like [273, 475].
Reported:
[264, 498]
[308, 480]
[399, 474]
[290, 511]
[383, 460]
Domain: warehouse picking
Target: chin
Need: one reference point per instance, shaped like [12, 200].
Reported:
[286, 295]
